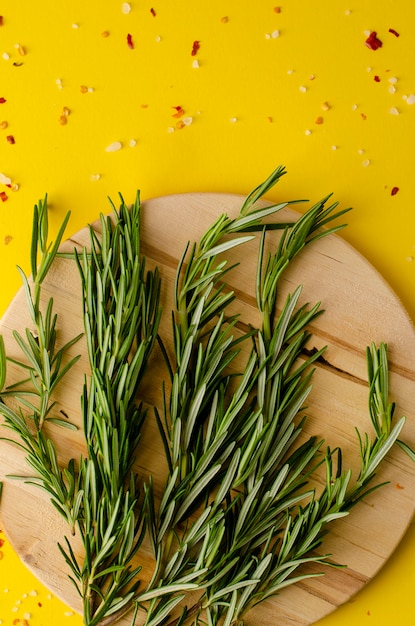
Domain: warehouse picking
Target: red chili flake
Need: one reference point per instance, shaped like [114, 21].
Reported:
[373, 42]
[394, 191]
[195, 48]
[153, 13]
[3, 196]
[394, 32]
[1, 543]
[363, 116]
[376, 79]
[399, 486]
[179, 111]
[11, 139]
[3, 100]
[130, 43]
[277, 9]
[1, 20]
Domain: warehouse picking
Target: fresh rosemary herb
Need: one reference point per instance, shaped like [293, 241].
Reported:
[43, 366]
[121, 317]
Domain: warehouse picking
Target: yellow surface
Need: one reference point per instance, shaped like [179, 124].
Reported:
[254, 102]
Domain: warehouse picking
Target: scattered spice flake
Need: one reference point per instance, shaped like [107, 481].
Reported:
[153, 12]
[325, 106]
[20, 50]
[130, 43]
[1, 20]
[114, 147]
[63, 120]
[180, 124]
[394, 191]
[319, 120]
[393, 31]
[363, 116]
[126, 8]
[3, 196]
[105, 34]
[270, 119]
[3, 100]
[7, 240]
[195, 48]
[3, 125]
[83, 89]
[373, 42]
[224, 19]
[11, 139]
[179, 111]
[376, 79]
[277, 9]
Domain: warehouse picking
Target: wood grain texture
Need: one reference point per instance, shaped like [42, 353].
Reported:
[359, 308]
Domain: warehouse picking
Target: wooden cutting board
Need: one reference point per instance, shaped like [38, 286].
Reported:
[359, 308]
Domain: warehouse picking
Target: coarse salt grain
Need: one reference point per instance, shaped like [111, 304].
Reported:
[334, 147]
[114, 147]
[366, 163]
[170, 129]
[307, 132]
[158, 38]
[75, 26]
[302, 88]
[68, 613]
[393, 80]
[275, 34]
[187, 121]
[394, 111]
[95, 177]
[411, 99]
[354, 107]
[233, 120]
[27, 616]
[126, 8]
[392, 89]
[6, 56]
[195, 64]
[132, 143]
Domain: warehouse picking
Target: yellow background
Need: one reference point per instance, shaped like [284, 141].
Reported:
[254, 101]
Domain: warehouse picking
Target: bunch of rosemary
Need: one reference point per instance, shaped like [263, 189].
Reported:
[240, 513]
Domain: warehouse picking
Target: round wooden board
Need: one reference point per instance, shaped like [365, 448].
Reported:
[359, 308]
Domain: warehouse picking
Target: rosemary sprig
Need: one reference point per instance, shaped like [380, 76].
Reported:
[121, 317]
[43, 366]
